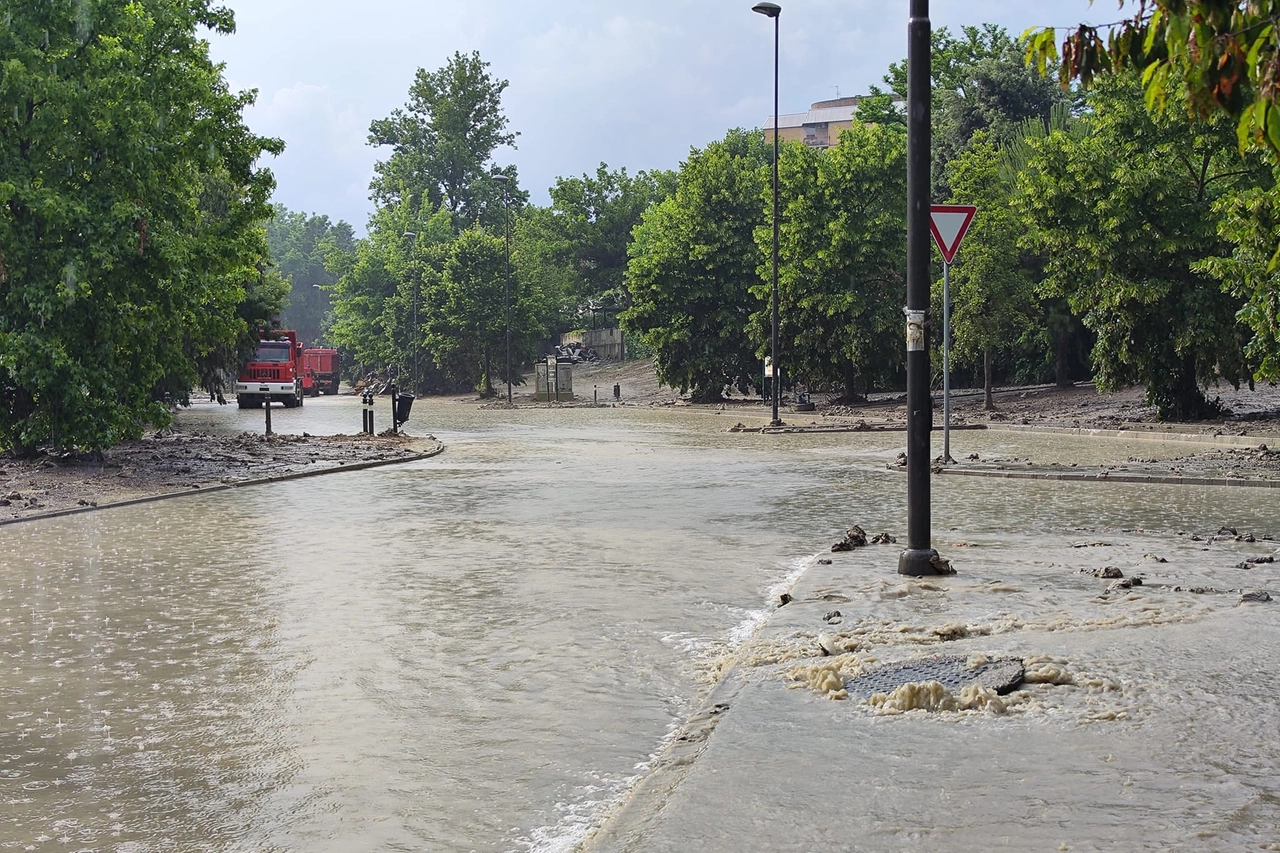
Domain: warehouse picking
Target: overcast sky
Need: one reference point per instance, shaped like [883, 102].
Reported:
[591, 81]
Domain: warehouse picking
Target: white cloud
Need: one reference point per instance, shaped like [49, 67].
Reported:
[591, 80]
[326, 165]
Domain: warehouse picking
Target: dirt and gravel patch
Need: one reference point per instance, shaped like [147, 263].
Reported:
[175, 462]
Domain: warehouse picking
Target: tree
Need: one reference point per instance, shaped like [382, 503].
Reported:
[298, 244]
[992, 288]
[596, 215]
[130, 211]
[1249, 222]
[465, 329]
[979, 81]
[692, 264]
[1126, 214]
[1221, 58]
[376, 284]
[842, 243]
[998, 94]
[543, 263]
[442, 143]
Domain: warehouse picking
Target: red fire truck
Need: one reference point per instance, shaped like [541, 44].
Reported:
[324, 365]
[274, 373]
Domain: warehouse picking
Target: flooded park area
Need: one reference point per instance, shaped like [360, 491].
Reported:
[495, 647]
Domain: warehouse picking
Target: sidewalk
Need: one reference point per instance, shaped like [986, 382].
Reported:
[1141, 744]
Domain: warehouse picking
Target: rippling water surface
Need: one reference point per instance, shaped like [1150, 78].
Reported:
[479, 651]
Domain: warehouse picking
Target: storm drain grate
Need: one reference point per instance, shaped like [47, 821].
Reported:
[951, 671]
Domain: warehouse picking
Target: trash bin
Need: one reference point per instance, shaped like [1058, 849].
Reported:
[403, 403]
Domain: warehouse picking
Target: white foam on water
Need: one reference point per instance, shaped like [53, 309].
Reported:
[755, 619]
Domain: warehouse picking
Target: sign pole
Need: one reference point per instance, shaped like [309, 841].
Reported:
[949, 223]
[946, 363]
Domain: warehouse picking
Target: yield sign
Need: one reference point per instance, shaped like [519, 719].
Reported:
[949, 223]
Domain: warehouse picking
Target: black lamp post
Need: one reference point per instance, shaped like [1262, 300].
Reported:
[919, 558]
[506, 288]
[773, 10]
[413, 236]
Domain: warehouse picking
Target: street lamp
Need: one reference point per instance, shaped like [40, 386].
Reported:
[773, 10]
[506, 288]
[413, 235]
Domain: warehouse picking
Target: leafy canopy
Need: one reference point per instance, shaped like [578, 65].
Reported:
[442, 143]
[131, 251]
[692, 265]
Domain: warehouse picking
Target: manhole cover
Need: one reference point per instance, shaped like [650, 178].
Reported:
[951, 671]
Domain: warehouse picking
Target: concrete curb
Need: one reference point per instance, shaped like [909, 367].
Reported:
[624, 828]
[1140, 435]
[222, 487]
[1111, 477]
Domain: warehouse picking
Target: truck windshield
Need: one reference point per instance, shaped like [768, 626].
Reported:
[271, 351]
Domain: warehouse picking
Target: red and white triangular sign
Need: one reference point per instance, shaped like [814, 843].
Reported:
[949, 223]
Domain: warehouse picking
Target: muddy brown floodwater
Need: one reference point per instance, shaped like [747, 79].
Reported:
[487, 649]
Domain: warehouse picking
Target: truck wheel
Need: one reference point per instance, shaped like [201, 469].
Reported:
[247, 401]
[333, 388]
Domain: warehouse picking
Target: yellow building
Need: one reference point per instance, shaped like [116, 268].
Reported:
[819, 127]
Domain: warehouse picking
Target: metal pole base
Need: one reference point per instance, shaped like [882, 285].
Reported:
[920, 562]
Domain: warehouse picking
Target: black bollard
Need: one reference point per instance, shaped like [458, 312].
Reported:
[595, 395]
[617, 391]
[266, 405]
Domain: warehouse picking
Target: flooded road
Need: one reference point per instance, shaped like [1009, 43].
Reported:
[478, 651]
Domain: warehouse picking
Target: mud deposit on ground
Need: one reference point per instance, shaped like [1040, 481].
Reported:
[177, 462]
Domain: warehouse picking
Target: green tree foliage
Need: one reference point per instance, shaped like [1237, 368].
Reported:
[543, 262]
[1219, 57]
[442, 143]
[375, 287]
[997, 93]
[842, 246]
[1250, 221]
[129, 216]
[596, 215]
[992, 282]
[951, 60]
[299, 244]
[980, 81]
[465, 325]
[1126, 214]
[692, 265]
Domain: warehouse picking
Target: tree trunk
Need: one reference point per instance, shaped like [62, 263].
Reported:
[988, 402]
[850, 371]
[1062, 338]
[486, 386]
[1184, 400]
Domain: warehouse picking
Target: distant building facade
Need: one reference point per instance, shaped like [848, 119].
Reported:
[819, 127]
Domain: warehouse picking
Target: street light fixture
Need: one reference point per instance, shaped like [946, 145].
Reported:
[773, 10]
[506, 288]
[413, 236]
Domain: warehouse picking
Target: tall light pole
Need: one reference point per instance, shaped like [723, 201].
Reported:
[773, 10]
[412, 236]
[506, 287]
